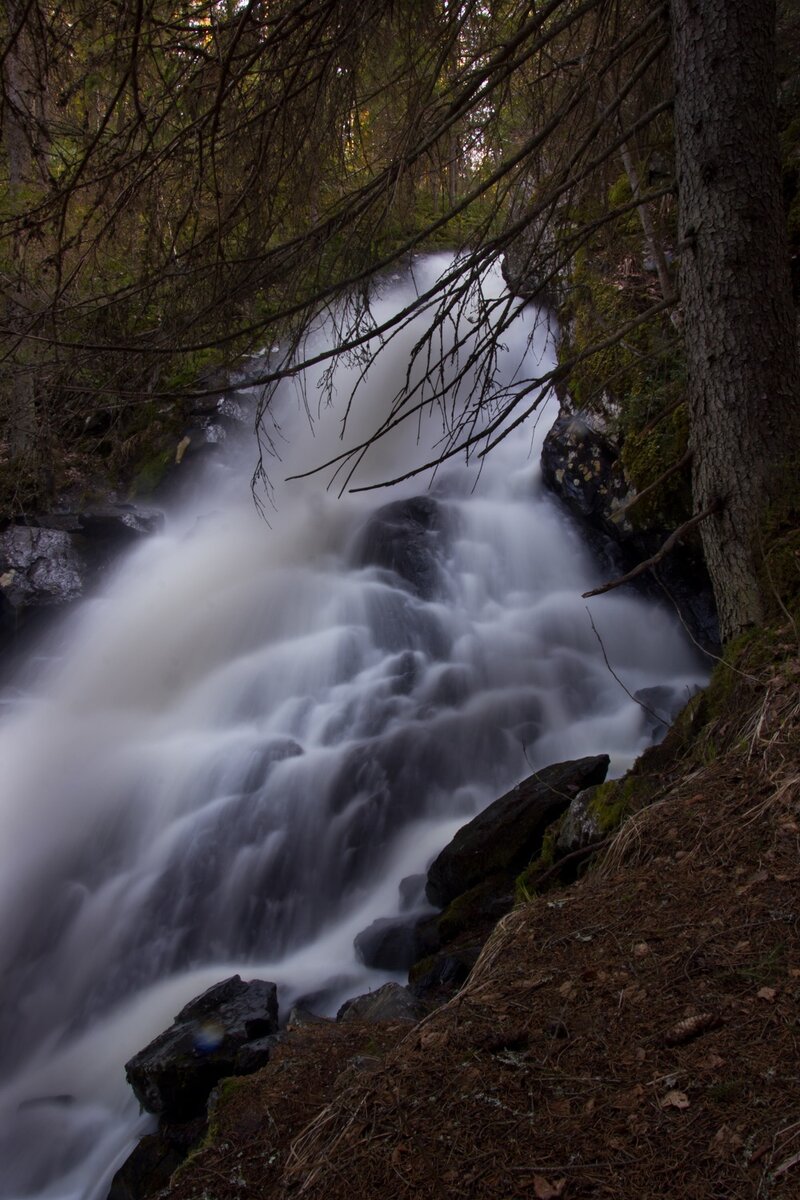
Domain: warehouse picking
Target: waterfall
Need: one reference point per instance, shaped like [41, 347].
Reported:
[236, 752]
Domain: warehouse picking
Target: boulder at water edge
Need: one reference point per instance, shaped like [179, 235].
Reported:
[390, 1003]
[225, 1031]
[506, 835]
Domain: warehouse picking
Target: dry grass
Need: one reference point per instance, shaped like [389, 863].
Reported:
[633, 1037]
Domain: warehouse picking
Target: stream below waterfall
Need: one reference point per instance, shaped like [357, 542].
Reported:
[234, 753]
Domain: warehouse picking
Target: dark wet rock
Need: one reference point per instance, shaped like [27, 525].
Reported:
[477, 910]
[174, 1075]
[119, 523]
[389, 1003]
[389, 944]
[149, 1167]
[254, 1055]
[276, 750]
[412, 892]
[300, 1017]
[435, 979]
[506, 835]
[581, 464]
[405, 537]
[146, 1170]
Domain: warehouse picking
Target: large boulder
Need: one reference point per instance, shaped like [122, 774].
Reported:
[405, 537]
[389, 944]
[506, 835]
[225, 1031]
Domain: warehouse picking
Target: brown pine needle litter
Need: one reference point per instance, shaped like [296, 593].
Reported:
[634, 1036]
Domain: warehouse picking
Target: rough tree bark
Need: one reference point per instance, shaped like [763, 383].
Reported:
[735, 289]
[19, 94]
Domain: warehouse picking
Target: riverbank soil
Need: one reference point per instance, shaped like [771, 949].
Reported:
[635, 1035]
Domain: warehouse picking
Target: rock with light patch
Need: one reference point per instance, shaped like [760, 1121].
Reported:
[228, 1030]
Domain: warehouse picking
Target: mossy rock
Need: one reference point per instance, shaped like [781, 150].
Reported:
[150, 473]
[487, 902]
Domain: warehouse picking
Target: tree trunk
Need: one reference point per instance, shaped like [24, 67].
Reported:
[739, 317]
[19, 94]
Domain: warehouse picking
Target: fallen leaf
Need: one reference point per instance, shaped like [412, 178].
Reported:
[726, 1142]
[767, 993]
[675, 1100]
[181, 448]
[641, 950]
[545, 1190]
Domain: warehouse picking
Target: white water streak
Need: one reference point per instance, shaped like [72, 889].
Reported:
[248, 740]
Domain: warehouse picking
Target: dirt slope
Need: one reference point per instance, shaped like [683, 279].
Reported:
[634, 1036]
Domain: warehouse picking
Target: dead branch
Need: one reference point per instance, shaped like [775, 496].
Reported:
[668, 545]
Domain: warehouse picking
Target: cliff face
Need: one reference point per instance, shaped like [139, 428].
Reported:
[627, 1034]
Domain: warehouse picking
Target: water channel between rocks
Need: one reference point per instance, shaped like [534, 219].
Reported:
[240, 747]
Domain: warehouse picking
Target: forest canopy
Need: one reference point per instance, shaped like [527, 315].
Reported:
[186, 182]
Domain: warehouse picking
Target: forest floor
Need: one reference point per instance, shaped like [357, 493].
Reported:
[635, 1035]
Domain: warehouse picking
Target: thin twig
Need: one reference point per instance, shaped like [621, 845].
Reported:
[626, 690]
[668, 545]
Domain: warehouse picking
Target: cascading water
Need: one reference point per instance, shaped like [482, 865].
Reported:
[256, 732]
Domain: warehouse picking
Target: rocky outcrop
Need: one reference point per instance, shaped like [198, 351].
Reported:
[473, 880]
[389, 1003]
[506, 835]
[582, 825]
[228, 1030]
[53, 560]
[581, 464]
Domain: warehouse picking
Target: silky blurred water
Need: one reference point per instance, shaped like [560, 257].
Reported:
[244, 744]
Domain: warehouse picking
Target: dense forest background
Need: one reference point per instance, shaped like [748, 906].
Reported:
[185, 183]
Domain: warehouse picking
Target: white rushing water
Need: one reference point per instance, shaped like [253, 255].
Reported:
[255, 733]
